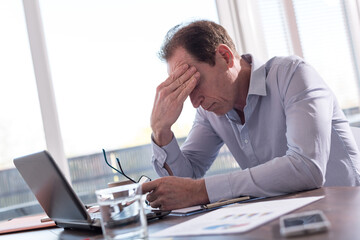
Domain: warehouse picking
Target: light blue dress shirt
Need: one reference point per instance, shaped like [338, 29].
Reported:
[295, 137]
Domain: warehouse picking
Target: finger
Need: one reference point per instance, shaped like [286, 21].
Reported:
[151, 196]
[149, 186]
[183, 79]
[173, 77]
[184, 91]
[175, 82]
[180, 70]
[156, 204]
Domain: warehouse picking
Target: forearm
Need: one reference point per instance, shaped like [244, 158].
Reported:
[202, 196]
[162, 137]
[193, 160]
[279, 176]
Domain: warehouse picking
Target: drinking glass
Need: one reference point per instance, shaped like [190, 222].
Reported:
[122, 212]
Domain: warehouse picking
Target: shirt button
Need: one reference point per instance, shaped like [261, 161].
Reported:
[246, 141]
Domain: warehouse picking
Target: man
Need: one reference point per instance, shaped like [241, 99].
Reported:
[279, 120]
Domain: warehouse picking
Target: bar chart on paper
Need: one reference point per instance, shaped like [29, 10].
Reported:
[236, 219]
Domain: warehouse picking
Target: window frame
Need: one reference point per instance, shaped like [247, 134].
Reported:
[44, 85]
[352, 10]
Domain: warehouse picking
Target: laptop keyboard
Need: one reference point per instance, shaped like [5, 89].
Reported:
[95, 215]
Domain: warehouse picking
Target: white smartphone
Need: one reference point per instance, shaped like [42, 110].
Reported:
[303, 223]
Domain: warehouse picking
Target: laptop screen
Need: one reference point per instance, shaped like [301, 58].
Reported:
[50, 187]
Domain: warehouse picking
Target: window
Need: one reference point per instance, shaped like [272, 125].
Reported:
[324, 37]
[21, 130]
[317, 30]
[275, 32]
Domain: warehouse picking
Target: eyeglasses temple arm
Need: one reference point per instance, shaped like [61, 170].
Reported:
[118, 161]
[109, 164]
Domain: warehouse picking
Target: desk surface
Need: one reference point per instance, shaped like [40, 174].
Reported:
[341, 205]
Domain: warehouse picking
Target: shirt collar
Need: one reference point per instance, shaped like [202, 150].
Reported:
[258, 75]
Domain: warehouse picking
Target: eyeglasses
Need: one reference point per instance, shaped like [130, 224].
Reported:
[141, 180]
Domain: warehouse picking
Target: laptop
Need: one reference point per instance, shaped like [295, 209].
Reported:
[56, 195]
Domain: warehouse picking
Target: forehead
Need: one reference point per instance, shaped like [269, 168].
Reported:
[180, 57]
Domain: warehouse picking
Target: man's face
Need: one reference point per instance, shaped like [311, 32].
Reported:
[215, 91]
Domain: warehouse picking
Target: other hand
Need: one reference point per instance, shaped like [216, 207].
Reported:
[169, 193]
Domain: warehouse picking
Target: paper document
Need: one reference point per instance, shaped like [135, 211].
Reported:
[236, 219]
[187, 211]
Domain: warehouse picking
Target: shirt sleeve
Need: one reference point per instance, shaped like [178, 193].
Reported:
[194, 157]
[308, 107]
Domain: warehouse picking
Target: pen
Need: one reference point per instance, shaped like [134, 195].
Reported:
[222, 203]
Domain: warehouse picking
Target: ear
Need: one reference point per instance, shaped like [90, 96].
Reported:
[226, 54]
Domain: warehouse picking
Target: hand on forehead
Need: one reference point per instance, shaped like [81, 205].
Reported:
[179, 58]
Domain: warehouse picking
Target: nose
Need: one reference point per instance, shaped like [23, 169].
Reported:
[196, 98]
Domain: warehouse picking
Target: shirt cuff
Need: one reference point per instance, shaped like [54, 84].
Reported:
[229, 185]
[160, 154]
[218, 187]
